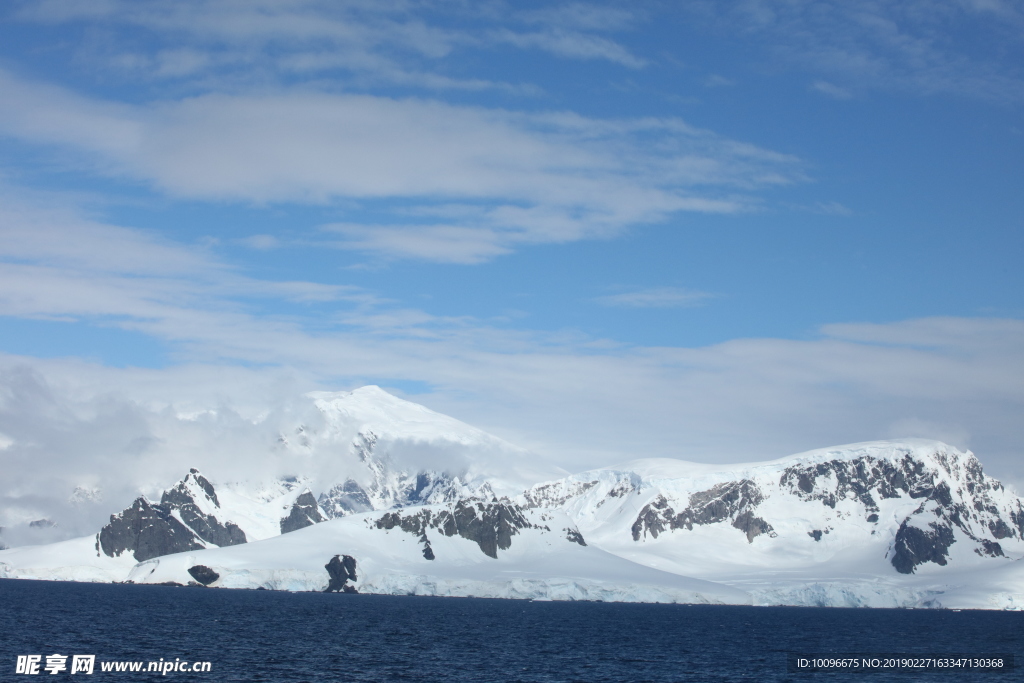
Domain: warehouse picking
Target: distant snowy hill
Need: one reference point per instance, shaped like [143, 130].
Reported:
[387, 496]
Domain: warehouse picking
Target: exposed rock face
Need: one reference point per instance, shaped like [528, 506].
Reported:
[915, 546]
[183, 499]
[304, 513]
[732, 501]
[203, 574]
[863, 479]
[147, 531]
[178, 523]
[341, 569]
[490, 525]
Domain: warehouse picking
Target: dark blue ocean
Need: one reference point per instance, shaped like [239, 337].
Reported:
[271, 636]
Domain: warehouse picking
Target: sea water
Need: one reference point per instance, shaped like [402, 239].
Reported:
[278, 636]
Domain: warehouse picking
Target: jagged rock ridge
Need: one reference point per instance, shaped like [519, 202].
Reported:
[490, 525]
[181, 521]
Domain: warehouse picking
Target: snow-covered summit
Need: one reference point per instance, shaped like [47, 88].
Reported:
[371, 409]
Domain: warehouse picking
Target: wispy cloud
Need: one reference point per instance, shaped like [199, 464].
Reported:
[570, 44]
[656, 297]
[922, 46]
[390, 41]
[531, 177]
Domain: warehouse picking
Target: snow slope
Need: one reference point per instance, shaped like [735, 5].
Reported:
[540, 564]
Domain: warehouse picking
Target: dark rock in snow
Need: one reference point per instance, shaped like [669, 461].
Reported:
[990, 548]
[341, 569]
[575, 536]
[304, 513]
[147, 531]
[490, 525]
[730, 501]
[816, 534]
[206, 527]
[203, 574]
[915, 546]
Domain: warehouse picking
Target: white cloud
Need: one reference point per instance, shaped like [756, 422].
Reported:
[261, 242]
[547, 177]
[438, 243]
[656, 297]
[580, 400]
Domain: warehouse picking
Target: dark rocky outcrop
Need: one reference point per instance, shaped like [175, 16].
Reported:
[42, 524]
[176, 524]
[575, 536]
[341, 569]
[990, 548]
[147, 531]
[304, 513]
[915, 546]
[203, 574]
[490, 525]
[732, 501]
[751, 526]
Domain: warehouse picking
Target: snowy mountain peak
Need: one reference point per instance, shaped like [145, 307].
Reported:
[371, 409]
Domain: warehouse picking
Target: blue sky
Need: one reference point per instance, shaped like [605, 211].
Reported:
[712, 230]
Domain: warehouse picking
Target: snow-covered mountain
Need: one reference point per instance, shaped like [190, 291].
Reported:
[908, 523]
[882, 523]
